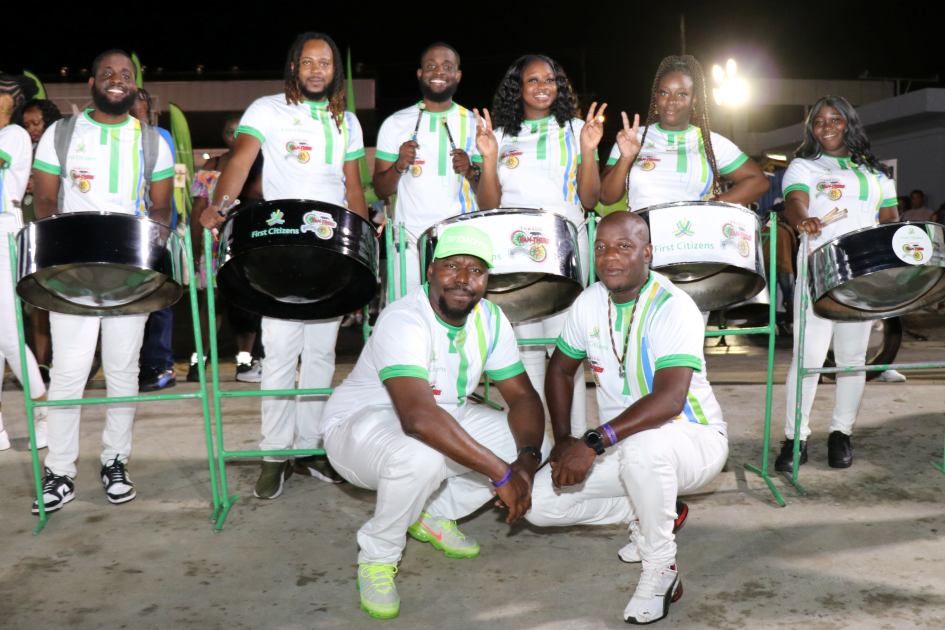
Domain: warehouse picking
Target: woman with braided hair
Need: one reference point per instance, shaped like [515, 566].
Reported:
[677, 157]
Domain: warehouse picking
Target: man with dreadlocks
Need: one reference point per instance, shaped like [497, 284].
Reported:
[426, 154]
[677, 157]
[310, 112]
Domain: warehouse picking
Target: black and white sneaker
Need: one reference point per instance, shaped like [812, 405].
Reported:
[57, 491]
[118, 485]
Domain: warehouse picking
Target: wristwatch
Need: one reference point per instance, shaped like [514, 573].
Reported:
[531, 450]
[594, 441]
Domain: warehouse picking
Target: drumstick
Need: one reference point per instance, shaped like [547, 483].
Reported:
[449, 135]
[833, 216]
[416, 128]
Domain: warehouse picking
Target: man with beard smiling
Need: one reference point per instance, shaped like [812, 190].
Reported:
[401, 423]
[662, 431]
[416, 158]
[310, 148]
[101, 166]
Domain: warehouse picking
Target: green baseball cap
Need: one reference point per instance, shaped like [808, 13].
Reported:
[466, 240]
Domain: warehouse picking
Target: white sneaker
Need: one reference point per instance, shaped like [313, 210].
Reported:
[629, 552]
[4, 440]
[891, 376]
[249, 371]
[658, 587]
[41, 428]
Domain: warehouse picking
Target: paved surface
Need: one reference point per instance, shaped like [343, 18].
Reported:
[864, 548]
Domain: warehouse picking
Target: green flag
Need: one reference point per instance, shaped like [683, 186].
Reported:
[41, 89]
[180, 131]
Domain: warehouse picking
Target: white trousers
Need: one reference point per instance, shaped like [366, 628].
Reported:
[371, 450]
[9, 347]
[850, 340]
[294, 422]
[640, 478]
[534, 358]
[73, 343]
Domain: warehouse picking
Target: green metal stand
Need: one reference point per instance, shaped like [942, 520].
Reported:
[31, 404]
[771, 330]
[802, 370]
[224, 501]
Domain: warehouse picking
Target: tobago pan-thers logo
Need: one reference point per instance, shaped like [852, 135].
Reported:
[736, 236]
[321, 223]
[684, 228]
[416, 169]
[81, 179]
[648, 162]
[299, 149]
[509, 158]
[831, 188]
[276, 218]
[912, 245]
[530, 241]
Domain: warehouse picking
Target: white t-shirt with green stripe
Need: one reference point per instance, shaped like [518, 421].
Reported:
[16, 152]
[303, 149]
[104, 166]
[538, 167]
[667, 331]
[410, 340]
[832, 182]
[673, 166]
[430, 191]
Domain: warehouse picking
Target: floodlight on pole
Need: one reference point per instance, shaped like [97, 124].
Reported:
[731, 90]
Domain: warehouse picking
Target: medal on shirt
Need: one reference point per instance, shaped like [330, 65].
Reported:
[622, 357]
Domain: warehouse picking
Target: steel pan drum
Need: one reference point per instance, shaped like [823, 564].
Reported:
[298, 259]
[99, 263]
[709, 249]
[879, 271]
[537, 271]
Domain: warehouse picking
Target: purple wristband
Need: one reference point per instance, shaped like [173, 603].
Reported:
[610, 433]
[504, 480]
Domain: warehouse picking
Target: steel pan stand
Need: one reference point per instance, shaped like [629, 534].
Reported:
[31, 404]
[771, 331]
[223, 500]
[802, 370]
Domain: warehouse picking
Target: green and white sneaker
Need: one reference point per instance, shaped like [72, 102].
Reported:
[379, 596]
[444, 535]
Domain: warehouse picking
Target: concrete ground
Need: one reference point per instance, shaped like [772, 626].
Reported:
[865, 547]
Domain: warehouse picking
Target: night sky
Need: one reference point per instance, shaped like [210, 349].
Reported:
[610, 51]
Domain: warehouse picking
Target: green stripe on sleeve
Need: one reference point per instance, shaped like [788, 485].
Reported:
[354, 155]
[563, 346]
[387, 157]
[611, 161]
[741, 159]
[7, 160]
[52, 169]
[507, 372]
[679, 360]
[797, 187]
[477, 158]
[394, 371]
[251, 132]
[159, 175]
[886, 203]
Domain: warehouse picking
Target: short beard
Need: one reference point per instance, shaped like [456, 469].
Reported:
[313, 96]
[106, 106]
[437, 97]
[456, 314]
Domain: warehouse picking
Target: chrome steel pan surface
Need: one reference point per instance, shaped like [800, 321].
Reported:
[298, 259]
[99, 263]
[537, 271]
[879, 271]
[709, 249]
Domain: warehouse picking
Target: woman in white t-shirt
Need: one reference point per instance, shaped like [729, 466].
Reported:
[675, 157]
[833, 168]
[538, 152]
